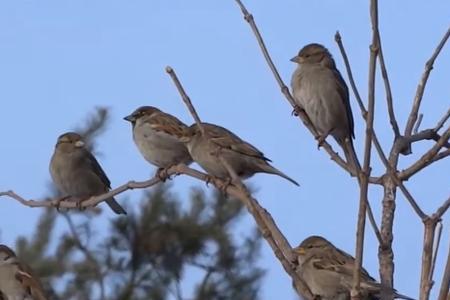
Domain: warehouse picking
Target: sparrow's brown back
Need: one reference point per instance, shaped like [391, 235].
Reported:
[228, 140]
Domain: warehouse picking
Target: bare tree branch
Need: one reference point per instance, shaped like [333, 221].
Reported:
[422, 84]
[355, 292]
[428, 158]
[427, 134]
[435, 251]
[445, 285]
[91, 202]
[185, 98]
[418, 123]
[338, 39]
[428, 240]
[387, 86]
[410, 198]
[442, 121]
[441, 210]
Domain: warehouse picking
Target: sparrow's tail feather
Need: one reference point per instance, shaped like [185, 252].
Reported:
[112, 203]
[400, 296]
[269, 169]
[350, 155]
[375, 288]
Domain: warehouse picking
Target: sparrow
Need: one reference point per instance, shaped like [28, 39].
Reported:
[157, 135]
[17, 281]
[319, 89]
[328, 271]
[245, 159]
[76, 172]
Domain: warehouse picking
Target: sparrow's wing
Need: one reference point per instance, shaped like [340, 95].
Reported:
[24, 275]
[228, 140]
[343, 92]
[342, 263]
[97, 169]
[166, 123]
[30, 283]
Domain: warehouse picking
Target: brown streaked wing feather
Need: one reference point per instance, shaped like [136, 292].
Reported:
[30, 283]
[169, 124]
[349, 261]
[341, 262]
[228, 140]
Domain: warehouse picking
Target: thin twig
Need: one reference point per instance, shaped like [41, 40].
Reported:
[387, 87]
[410, 198]
[427, 253]
[185, 98]
[429, 157]
[436, 250]
[417, 126]
[93, 201]
[445, 285]
[442, 121]
[338, 39]
[355, 292]
[427, 134]
[422, 84]
[441, 210]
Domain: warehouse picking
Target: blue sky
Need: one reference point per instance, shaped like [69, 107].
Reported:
[59, 59]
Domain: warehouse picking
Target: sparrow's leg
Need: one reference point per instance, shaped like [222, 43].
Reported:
[322, 138]
[227, 182]
[320, 141]
[58, 202]
[209, 179]
[78, 202]
[297, 110]
[162, 174]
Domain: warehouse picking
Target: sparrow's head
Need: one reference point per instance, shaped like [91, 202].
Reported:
[7, 256]
[141, 112]
[312, 54]
[69, 141]
[312, 245]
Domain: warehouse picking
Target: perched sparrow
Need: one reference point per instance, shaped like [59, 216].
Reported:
[319, 89]
[17, 282]
[244, 158]
[156, 134]
[76, 172]
[328, 271]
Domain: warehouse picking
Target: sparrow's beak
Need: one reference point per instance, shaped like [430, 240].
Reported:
[300, 251]
[297, 59]
[79, 144]
[130, 118]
